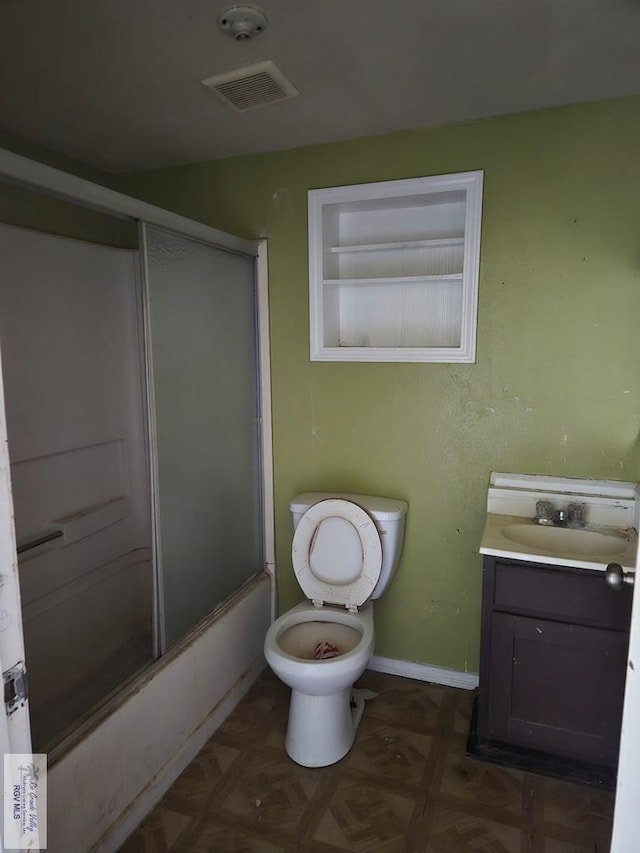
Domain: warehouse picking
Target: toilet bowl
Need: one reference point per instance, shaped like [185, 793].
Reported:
[345, 551]
[322, 724]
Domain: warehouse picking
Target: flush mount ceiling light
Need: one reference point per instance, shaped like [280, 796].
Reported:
[242, 22]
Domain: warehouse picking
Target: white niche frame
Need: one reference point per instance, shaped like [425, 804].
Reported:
[393, 270]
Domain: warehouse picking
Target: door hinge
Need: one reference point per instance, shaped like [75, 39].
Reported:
[15, 688]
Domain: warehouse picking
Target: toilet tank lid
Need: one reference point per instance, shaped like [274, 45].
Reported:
[382, 509]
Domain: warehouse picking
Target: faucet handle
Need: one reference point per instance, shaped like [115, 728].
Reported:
[544, 512]
[577, 514]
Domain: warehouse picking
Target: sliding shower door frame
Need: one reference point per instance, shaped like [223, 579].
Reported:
[54, 182]
[159, 634]
[161, 638]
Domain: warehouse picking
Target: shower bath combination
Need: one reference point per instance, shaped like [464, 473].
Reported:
[78, 322]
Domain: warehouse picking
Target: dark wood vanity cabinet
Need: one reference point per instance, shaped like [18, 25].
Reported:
[553, 661]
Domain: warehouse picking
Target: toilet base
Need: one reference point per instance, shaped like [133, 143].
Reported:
[321, 729]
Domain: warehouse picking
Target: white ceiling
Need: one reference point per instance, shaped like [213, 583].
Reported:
[116, 83]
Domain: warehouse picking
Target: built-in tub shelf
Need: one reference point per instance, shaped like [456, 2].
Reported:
[78, 525]
[84, 522]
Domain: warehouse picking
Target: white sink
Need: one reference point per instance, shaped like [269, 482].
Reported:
[564, 540]
[612, 510]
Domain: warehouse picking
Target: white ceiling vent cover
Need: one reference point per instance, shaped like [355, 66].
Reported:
[252, 86]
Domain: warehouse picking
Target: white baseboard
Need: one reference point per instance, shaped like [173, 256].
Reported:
[425, 672]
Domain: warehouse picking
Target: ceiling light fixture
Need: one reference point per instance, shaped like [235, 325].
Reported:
[242, 22]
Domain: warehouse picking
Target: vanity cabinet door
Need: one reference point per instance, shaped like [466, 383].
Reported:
[556, 687]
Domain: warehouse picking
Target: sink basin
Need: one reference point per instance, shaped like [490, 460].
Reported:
[565, 540]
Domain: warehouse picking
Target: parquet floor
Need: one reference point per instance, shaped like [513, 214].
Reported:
[406, 785]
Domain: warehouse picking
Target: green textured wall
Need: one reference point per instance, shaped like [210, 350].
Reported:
[555, 389]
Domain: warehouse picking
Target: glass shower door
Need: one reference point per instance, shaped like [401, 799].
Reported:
[201, 316]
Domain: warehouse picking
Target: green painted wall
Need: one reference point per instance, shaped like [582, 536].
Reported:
[555, 389]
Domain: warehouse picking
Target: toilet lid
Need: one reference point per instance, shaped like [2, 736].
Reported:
[337, 555]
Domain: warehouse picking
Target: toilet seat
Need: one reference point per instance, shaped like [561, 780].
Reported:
[337, 554]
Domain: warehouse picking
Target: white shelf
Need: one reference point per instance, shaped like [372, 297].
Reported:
[408, 279]
[393, 270]
[444, 243]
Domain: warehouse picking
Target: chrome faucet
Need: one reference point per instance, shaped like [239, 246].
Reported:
[560, 517]
[571, 516]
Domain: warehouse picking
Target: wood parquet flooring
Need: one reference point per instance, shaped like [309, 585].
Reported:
[407, 786]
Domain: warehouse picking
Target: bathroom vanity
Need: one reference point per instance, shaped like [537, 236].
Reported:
[554, 633]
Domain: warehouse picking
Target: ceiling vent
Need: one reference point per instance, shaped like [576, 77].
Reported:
[252, 86]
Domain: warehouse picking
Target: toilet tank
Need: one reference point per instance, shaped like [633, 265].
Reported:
[389, 515]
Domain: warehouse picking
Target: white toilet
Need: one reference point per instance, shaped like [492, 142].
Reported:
[345, 551]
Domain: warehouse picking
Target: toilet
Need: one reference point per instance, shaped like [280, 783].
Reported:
[345, 551]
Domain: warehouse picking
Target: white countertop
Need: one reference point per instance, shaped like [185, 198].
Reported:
[495, 543]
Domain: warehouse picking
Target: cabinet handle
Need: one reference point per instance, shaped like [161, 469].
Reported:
[616, 577]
